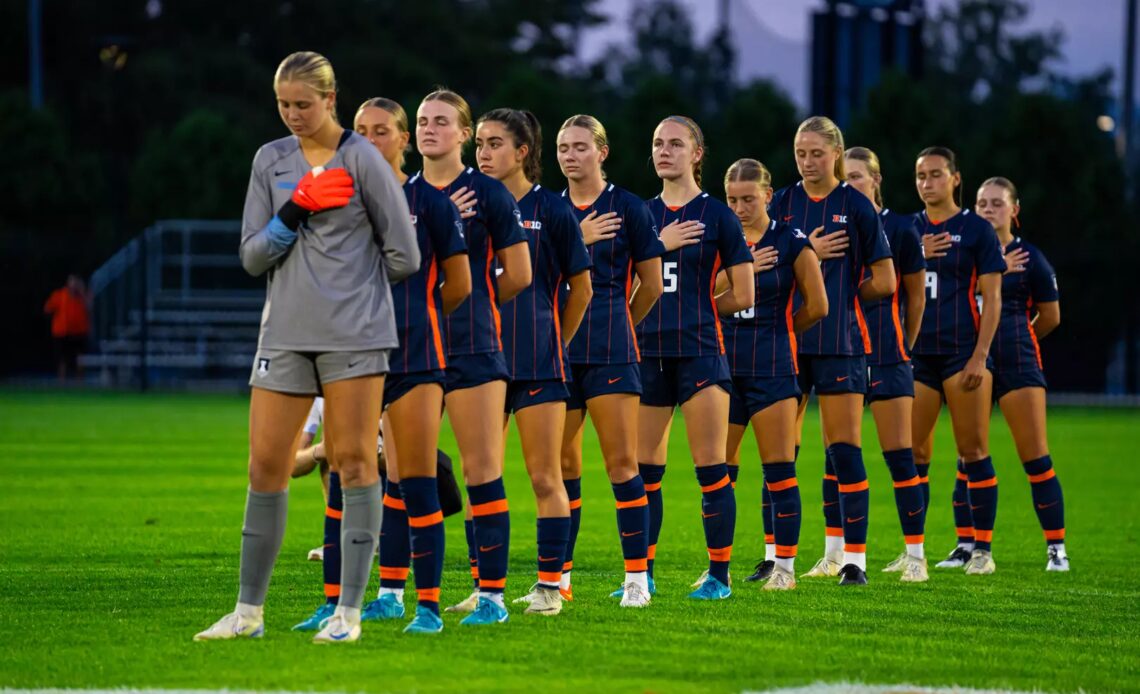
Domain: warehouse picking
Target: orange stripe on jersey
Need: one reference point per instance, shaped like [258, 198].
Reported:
[433, 317]
[857, 487]
[628, 315]
[722, 482]
[862, 321]
[392, 502]
[674, 209]
[427, 594]
[1047, 475]
[991, 482]
[895, 319]
[790, 318]
[583, 207]
[491, 293]
[720, 553]
[425, 521]
[1055, 534]
[712, 301]
[334, 513]
[973, 302]
[782, 485]
[643, 501]
[489, 508]
[558, 348]
[1033, 338]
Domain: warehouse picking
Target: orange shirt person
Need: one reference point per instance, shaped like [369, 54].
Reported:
[67, 307]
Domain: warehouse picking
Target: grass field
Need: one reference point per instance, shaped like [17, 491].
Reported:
[120, 519]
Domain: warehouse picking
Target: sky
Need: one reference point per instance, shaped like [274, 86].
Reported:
[1094, 34]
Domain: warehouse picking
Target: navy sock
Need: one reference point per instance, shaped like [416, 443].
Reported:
[832, 514]
[923, 470]
[574, 494]
[854, 496]
[633, 523]
[553, 533]
[983, 486]
[472, 554]
[492, 533]
[395, 542]
[780, 479]
[718, 515]
[963, 520]
[733, 473]
[425, 525]
[767, 513]
[908, 494]
[651, 475]
[330, 565]
[1048, 500]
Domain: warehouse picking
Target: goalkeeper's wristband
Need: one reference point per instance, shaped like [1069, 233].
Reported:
[280, 236]
[292, 215]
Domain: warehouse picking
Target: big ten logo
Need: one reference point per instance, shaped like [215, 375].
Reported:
[838, 219]
[532, 224]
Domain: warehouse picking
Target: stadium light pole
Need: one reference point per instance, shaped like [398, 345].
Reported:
[35, 54]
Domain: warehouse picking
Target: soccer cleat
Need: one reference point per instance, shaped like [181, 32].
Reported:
[763, 571]
[387, 606]
[633, 595]
[823, 568]
[317, 553]
[567, 594]
[780, 579]
[338, 629]
[981, 563]
[898, 565]
[704, 576]
[956, 560]
[468, 604]
[528, 598]
[620, 592]
[711, 589]
[851, 575]
[1058, 561]
[317, 619]
[914, 570]
[544, 601]
[233, 626]
[486, 612]
[425, 622]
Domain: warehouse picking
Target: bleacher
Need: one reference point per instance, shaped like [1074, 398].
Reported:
[174, 308]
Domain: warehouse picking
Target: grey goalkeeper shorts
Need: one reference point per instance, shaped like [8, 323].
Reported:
[303, 373]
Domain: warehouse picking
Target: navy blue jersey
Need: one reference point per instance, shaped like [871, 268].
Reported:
[684, 322]
[607, 335]
[843, 332]
[439, 232]
[1015, 344]
[950, 322]
[760, 340]
[532, 334]
[886, 317]
[474, 327]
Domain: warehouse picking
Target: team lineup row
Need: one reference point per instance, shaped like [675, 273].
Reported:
[483, 294]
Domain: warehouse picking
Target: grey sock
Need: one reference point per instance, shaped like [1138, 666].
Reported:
[359, 533]
[261, 537]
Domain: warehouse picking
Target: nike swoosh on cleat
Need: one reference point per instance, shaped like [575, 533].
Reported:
[491, 548]
[786, 515]
[534, 392]
[634, 534]
[339, 637]
[701, 383]
[612, 381]
[1043, 506]
[855, 520]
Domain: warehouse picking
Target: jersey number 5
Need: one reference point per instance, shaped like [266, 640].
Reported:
[931, 285]
[670, 272]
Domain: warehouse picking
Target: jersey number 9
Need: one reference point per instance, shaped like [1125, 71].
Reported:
[931, 285]
[746, 314]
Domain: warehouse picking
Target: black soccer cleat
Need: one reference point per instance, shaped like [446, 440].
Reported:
[763, 571]
[851, 575]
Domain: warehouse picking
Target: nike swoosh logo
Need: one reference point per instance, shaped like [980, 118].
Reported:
[360, 542]
[1044, 506]
[875, 384]
[830, 503]
[421, 555]
[534, 392]
[701, 383]
[352, 364]
[914, 513]
[786, 515]
[975, 508]
[959, 503]
[855, 520]
[612, 381]
[491, 548]
[840, 379]
[548, 558]
[635, 534]
[709, 515]
[788, 218]
[339, 637]
[280, 173]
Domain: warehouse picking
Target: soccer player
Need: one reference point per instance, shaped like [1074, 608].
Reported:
[951, 356]
[1030, 310]
[310, 457]
[536, 326]
[475, 388]
[893, 323]
[761, 346]
[681, 340]
[606, 381]
[832, 353]
[413, 393]
[325, 214]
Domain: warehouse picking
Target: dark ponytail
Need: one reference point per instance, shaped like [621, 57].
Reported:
[526, 130]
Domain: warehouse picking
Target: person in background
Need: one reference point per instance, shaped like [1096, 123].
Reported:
[68, 308]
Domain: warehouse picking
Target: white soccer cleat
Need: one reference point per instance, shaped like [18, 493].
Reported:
[233, 626]
[914, 570]
[823, 568]
[956, 559]
[317, 553]
[467, 605]
[897, 565]
[1058, 561]
[633, 595]
[781, 579]
[525, 599]
[981, 563]
[339, 629]
[544, 601]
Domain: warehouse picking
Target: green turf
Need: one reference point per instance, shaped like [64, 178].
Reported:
[120, 520]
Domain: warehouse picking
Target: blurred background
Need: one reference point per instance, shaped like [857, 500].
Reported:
[130, 126]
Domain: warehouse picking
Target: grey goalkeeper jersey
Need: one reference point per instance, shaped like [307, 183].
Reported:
[328, 292]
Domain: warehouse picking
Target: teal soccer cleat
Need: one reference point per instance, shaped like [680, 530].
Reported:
[425, 622]
[386, 606]
[486, 612]
[317, 620]
[711, 589]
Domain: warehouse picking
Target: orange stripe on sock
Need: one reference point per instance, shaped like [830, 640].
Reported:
[567, 566]
[991, 482]
[786, 551]
[856, 487]
[983, 535]
[720, 553]
[652, 552]
[332, 590]
[833, 532]
[392, 502]
[1047, 475]
[334, 513]
[549, 576]
[427, 594]
[653, 487]
[962, 477]
[859, 549]
[783, 484]
[492, 583]
[636, 565]
[769, 539]
[719, 484]
[831, 478]
[475, 571]
[1055, 534]
[490, 508]
[575, 503]
[425, 521]
[398, 573]
[914, 539]
[912, 482]
[965, 532]
[643, 501]
[924, 480]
